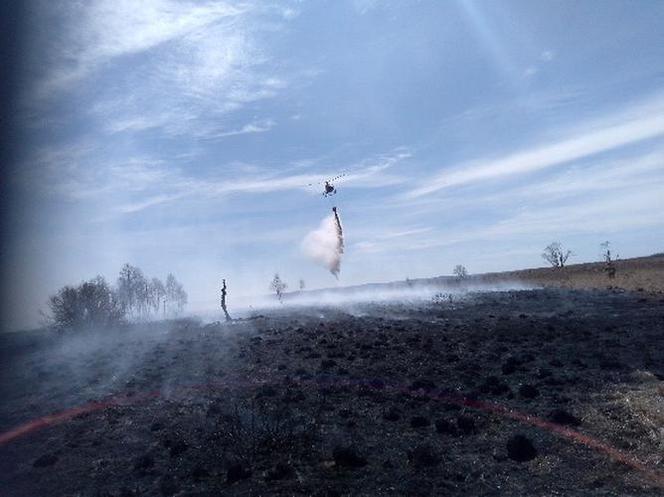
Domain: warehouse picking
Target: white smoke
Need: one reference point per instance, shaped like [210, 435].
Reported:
[325, 244]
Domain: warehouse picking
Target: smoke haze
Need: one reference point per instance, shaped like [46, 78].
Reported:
[325, 245]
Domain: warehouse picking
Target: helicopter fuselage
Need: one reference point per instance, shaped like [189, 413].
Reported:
[329, 189]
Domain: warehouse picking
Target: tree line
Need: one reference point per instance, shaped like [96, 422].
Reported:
[143, 297]
[96, 303]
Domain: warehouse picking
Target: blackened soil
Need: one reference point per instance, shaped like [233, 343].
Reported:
[401, 400]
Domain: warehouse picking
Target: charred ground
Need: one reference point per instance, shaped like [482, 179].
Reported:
[372, 400]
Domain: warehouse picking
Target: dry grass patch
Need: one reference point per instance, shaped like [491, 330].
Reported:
[632, 418]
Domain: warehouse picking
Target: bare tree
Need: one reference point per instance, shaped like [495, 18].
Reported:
[224, 292]
[556, 255]
[175, 295]
[460, 272]
[132, 290]
[278, 286]
[605, 248]
[157, 293]
[143, 299]
[92, 304]
[609, 260]
[302, 285]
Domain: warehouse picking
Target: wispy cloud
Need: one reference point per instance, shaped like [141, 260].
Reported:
[389, 239]
[99, 31]
[608, 176]
[545, 57]
[603, 196]
[80, 173]
[252, 127]
[169, 67]
[604, 215]
[634, 125]
[132, 207]
[604, 176]
[369, 173]
[178, 126]
[607, 214]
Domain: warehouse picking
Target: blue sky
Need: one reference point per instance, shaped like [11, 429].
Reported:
[180, 136]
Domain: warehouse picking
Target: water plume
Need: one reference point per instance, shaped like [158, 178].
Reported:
[325, 245]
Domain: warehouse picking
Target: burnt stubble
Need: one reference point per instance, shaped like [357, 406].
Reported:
[481, 395]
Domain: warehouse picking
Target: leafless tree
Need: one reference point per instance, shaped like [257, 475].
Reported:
[302, 285]
[609, 260]
[278, 286]
[460, 272]
[157, 293]
[607, 257]
[556, 255]
[132, 290]
[224, 292]
[176, 297]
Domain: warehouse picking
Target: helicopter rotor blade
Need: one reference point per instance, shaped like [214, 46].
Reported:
[329, 181]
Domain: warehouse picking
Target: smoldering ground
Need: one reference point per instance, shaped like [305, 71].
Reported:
[362, 298]
[328, 401]
[62, 370]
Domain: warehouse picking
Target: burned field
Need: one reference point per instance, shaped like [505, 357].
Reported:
[538, 392]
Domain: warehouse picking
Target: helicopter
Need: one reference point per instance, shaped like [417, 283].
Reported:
[328, 187]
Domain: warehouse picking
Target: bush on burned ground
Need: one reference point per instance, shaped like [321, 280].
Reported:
[92, 304]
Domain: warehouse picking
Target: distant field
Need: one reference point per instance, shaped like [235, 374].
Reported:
[641, 274]
[637, 274]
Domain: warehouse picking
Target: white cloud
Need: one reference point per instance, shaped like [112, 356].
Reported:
[365, 174]
[252, 127]
[602, 176]
[638, 123]
[148, 202]
[289, 13]
[191, 88]
[604, 215]
[178, 68]
[607, 214]
[389, 239]
[607, 176]
[99, 31]
[80, 173]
